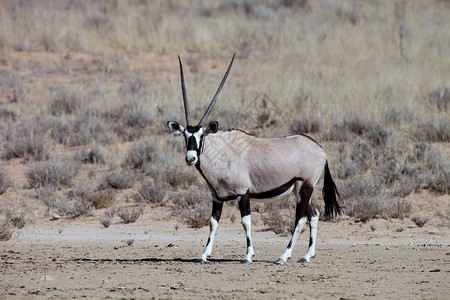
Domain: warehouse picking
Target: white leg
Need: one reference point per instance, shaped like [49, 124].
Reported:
[247, 224]
[312, 238]
[213, 224]
[288, 252]
[212, 232]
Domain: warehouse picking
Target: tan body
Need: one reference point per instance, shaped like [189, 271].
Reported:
[235, 163]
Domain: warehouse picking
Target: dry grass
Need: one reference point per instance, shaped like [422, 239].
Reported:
[87, 87]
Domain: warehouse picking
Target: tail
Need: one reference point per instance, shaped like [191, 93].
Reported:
[329, 193]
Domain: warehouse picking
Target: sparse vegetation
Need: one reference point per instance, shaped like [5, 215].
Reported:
[73, 208]
[152, 192]
[5, 230]
[279, 222]
[5, 182]
[107, 216]
[419, 220]
[51, 173]
[129, 214]
[120, 179]
[198, 216]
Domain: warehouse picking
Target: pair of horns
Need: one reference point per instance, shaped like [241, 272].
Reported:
[213, 101]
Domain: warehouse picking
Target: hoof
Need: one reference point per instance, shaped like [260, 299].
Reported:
[280, 261]
[200, 260]
[303, 260]
[246, 261]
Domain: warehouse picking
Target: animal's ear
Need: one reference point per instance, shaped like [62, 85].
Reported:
[175, 128]
[213, 126]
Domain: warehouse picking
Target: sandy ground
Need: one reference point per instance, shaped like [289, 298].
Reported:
[152, 258]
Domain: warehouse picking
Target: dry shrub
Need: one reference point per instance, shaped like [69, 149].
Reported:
[152, 192]
[92, 156]
[279, 222]
[119, 180]
[419, 220]
[187, 200]
[440, 98]
[81, 130]
[107, 216]
[378, 137]
[72, 208]
[401, 209]
[357, 125]
[26, 140]
[65, 101]
[398, 116]
[434, 131]
[306, 126]
[98, 198]
[51, 173]
[198, 216]
[140, 156]
[436, 172]
[15, 217]
[338, 133]
[14, 88]
[130, 214]
[5, 230]
[408, 181]
[365, 198]
[180, 177]
[130, 120]
[7, 115]
[5, 182]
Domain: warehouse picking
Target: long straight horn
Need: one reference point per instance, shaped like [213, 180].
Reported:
[185, 100]
[213, 102]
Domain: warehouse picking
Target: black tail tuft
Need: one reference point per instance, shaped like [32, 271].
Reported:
[329, 193]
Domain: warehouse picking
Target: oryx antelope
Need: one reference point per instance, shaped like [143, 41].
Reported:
[238, 166]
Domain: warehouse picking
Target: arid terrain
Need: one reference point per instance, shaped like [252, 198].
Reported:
[151, 259]
[96, 200]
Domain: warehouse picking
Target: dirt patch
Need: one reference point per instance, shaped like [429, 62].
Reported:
[154, 259]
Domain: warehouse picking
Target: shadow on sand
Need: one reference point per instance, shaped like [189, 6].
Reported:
[157, 260]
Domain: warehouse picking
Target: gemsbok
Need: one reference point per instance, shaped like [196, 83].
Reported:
[238, 166]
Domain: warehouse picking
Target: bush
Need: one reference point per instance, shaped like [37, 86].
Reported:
[141, 154]
[5, 230]
[130, 120]
[130, 215]
[73, 208]
[51, 173]
[279, 222]
[107, 216]
[119, 180]
[93, 156]
[440, 99]
[26, 141]
[338, 133]
[306, 126]
[65, 101]
[5, 183]
[7, 115]
[98, 198]
[152, 192]
[419, 220]
[180, 178]
[398, 116]
[199, 216]
[434, 131]
[365, 198]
